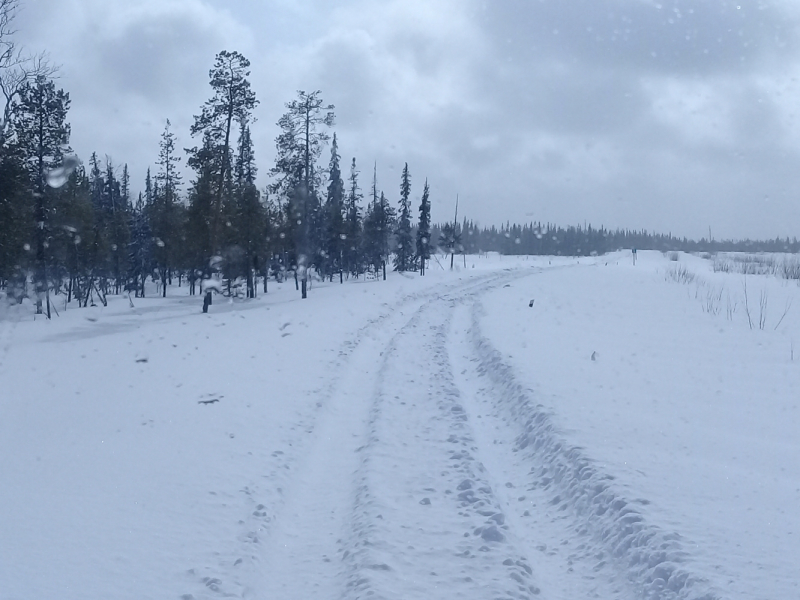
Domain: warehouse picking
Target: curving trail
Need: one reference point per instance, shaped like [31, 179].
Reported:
[427, 471]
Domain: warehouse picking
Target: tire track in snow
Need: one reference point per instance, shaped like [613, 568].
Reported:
[568, 568]
[310, 515]
[612, 531]
[426, 521]
[269, 516]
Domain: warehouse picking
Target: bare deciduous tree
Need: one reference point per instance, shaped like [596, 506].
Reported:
[17, 67]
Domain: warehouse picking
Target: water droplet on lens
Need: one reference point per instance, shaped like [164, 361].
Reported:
[60, 175]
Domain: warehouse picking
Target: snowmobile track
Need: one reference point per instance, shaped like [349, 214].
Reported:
[461, 542]
[613, 531]
[309, 478]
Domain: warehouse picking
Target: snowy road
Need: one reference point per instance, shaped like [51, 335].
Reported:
[420, 481]
[427, 437]
[394, 501]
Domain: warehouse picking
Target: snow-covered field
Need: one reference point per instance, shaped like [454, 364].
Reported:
[629, 435]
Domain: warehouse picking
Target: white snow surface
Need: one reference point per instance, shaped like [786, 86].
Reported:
[627, 436]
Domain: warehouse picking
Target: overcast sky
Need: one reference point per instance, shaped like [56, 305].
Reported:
[664, 115]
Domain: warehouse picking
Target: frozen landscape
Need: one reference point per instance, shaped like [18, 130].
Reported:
[538, 427]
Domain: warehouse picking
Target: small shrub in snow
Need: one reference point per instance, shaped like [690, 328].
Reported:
[720, 265]
[680, 274]
[790, 268]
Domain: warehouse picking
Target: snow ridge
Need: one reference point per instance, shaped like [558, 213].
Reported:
[654, 560]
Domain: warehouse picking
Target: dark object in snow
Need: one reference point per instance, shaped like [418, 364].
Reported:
[206, 301]
[530, 304]
[507, 285]
[208, 401]
[594, 355]
[492, 534]
[141, 360]
[425, 501]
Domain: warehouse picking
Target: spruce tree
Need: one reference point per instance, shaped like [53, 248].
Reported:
[378, 226]
[353, 224]
[97, 243]
[206, 163]
[386, 224]
[163, 208]
[118, 222]
[424, 229]
[335, 234]
[403, 260]
[139, 250]
[250, 214]
[76, 223]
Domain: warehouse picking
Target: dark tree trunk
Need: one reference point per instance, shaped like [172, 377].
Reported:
[117, 275]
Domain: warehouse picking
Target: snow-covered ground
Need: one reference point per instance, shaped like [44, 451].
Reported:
[626, 436]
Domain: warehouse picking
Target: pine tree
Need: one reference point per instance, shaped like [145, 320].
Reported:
[299, 146]
[16, 216]
[41, 134]
[233, 100]
[404, 240]
[424, 229]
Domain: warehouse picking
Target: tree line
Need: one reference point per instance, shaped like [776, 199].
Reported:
[538, 238]
[77, 229]
[80, 232]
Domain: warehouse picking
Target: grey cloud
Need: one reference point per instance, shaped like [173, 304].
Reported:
[163, 62]
[678, 36]
[567, 111]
